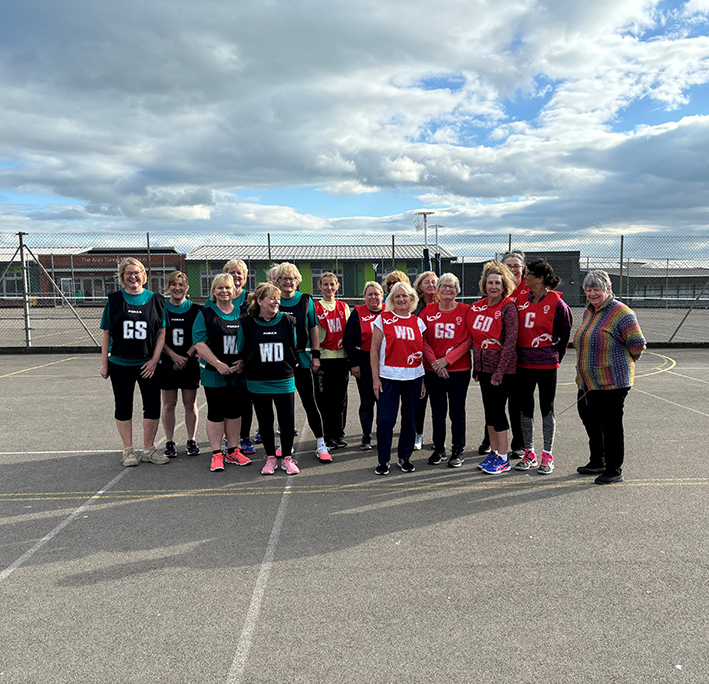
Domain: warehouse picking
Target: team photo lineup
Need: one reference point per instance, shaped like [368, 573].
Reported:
[410, 348]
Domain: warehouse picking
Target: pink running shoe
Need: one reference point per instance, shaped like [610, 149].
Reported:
[237, 458]
[270, 466]
[288, 464]
[529, 460]
[217, 462]
[323, 454]
[547, 466]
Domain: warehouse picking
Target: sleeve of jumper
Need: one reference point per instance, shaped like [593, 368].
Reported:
[508, 357]
[632, 335]
[461, 350]
[563, 322]
[352, 338]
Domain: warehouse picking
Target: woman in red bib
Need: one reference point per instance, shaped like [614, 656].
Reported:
[446, 350]
[492, 322]
[544, 331]
[358, 343]
[334, 374]
[397, 374]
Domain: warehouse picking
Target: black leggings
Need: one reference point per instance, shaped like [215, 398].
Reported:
[494, 399]
[123, 379]
[225, 403]
[367, 400]
[331, 396]
[305, 385]
[285, 410]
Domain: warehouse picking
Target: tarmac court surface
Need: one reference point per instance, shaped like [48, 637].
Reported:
[176, 574]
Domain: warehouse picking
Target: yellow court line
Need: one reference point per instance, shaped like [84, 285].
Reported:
[44, 365]
[661, 369]
[422, 487]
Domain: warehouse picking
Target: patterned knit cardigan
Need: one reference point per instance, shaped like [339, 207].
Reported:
[608, 343]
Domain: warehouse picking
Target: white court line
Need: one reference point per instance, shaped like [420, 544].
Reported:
[247, 633]
[48, 537]
[42, 453]
[654, 396]
[689, 377]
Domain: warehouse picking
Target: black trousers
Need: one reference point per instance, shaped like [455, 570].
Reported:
[331, 396]
[406, 392]
[285, 410]
[601, 412]
[367, 401]
[448, 396]
[123, 379]
[515, 412]
[305, 385]
[494, 400]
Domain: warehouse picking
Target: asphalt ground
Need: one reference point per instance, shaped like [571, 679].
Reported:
[59, 327]
[176, 574]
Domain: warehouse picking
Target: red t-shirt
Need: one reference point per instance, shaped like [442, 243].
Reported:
[536, 323]
[366, 318]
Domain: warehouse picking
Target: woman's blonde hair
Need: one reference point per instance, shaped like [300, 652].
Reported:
[172, 279]
[261, 292]
[375, 285]
[406, 287]
[130, 261]
[420, 279]
[238, 264]
[395, 277]
[328, 274]
[219, 280]
[288, 270]
[497, 268]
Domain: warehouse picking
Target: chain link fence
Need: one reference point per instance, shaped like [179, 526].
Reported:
[53, 287]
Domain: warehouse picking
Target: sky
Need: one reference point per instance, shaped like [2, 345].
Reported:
[337, 117]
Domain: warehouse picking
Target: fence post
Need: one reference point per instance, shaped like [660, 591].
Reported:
[620, 285]
[509, 242]
[25, 290]
[393, 254]
[270, 260]
[150, 270]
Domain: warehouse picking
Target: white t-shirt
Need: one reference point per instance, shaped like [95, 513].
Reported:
[393, 372]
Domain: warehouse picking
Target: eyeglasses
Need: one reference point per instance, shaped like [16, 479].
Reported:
[514, 267]
[287, 280]
[447, 287]
[133, 274]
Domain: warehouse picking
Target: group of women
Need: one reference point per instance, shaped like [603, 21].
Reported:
[404, 345]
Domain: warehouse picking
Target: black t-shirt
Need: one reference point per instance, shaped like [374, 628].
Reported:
[269, 350]
[134, 327]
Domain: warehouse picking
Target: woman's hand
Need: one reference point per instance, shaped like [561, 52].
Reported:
[147, 370]
[377, 386]
[439, 364]
[103, 371]
[442, 373]
[239, 366]
[223, 368]
[356, 372]
[315, 365]
[179, 362]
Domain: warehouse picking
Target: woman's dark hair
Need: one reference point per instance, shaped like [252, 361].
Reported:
[542, 269]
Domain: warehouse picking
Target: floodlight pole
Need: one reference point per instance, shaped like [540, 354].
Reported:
[25, 290]
[425, 215]
[437, 255]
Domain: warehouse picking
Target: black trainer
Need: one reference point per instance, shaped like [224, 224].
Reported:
[382, 469]
[608, 478]
[515, 453]
[484, 448]
[591, 468]
[456, 460]
[366, 444]
[340, 443]
[170, 450]
[436, 458]
[192, 448]
[406, 466]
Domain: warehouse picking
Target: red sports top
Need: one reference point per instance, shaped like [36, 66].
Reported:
[536, 323]
[366, 318]
[334, 324]
[404, 342]
[447, 333]
[519, 294]
[485, 323]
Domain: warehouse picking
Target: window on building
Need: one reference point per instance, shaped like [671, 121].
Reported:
[11, 284]
[205, 280]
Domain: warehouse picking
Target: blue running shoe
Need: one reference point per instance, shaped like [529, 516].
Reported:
[257, 438]
[247, 446]
[497, 466]
[485, 461]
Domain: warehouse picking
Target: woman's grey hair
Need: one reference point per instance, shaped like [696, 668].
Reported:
[451, 279]
[598, 279]
[515, 253]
